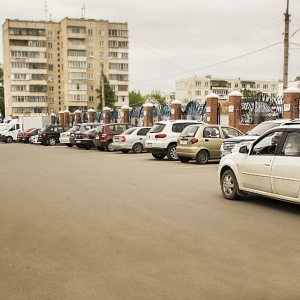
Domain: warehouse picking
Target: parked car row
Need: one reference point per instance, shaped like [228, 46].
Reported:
[266, 160]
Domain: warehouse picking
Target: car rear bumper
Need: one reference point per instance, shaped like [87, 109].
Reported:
[156, 150]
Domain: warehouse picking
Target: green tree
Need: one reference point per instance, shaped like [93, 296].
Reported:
[109, 94]
[136, 99]
[2, 108]
[156, 94]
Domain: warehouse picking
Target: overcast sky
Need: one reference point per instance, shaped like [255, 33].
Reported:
[176, 39]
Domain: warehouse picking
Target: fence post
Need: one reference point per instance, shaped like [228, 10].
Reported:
[66, 118]
[77, 116]
[291, 103]
[176, 110]
[212, 101]
[125, 114]
[91, 115]
[148, 114]
[61, 115]
[53, 118]
[235, 108]
[106, 115]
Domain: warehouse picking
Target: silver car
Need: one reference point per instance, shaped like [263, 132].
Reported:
[132, 139]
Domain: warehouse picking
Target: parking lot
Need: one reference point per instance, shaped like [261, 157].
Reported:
[87, 224]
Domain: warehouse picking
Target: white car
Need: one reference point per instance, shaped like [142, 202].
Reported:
[132, 139]
[233, 144]
[162, 138]
[268, 167]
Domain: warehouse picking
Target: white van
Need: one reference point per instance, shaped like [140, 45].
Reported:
[10, 133]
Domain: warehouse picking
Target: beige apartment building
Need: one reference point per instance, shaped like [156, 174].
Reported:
[197, 88]
[56, 66]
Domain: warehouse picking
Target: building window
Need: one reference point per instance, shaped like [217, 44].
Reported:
[90, 31]
[91, 76]
[198, 83]
[101, 55]
[198, 93]
[51, 88]
[236, 85]
[101, 32]
[258, 86]
[91, 87]
[90, 66]
[50, 46]
[90, 43]
[50, 55]
[91, 54]
[50, 34]
[206, 84]
[101, 44]
[206, 93]
[50, 67]
[51, 100]
[91, 98]
[265, 86]
[244, 85]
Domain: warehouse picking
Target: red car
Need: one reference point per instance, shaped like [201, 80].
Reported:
[105, 132]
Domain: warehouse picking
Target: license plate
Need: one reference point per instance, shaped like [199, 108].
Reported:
[183, 142]
[78, 141]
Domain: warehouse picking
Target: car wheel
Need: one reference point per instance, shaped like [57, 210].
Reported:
[137, 148]
[70, 145]
[171, 153]
[124, 151]
[109, 147]
[100, 148]
[52, 141]
[87, 147]
[229, 186]
[158, 155]
[184, 159]
[9, 139]
[202, 157]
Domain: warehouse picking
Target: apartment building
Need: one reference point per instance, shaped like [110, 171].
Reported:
[57, 66]
[197, 88]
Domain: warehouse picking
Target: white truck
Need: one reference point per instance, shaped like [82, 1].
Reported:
[10, 133]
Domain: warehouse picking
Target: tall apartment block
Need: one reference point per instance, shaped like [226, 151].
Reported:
[197, 88]
[56, 66]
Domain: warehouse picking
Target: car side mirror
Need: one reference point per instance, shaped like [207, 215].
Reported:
[244, 149]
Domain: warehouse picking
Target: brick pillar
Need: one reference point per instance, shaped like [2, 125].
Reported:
[235, 108]
[77, 116]
[176, 110]
[53, 118]
[61, 115]
[212, 101]
[148, 114]
[291, 103]
[106, 115]
[66, 118]
[125, 114]
[91, 115]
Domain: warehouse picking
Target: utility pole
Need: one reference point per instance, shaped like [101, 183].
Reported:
[286, 47]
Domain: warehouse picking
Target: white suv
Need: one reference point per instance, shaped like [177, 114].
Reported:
[161, 140]
[233, 144]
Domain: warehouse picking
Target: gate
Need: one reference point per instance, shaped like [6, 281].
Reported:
[259, 107]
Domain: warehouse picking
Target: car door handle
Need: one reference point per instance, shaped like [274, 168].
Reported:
[206, 140]
[267, 164]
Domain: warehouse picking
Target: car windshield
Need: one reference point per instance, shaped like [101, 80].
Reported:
[157, 128]
[99, 129]
[262, 128]
[129, 131]
[189, 131]
[74, 128]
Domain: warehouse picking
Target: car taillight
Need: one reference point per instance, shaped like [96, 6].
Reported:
[44, 134]
[123, 139]
[104, 134]
[85, 136]
[160, 136]
[193, 141]
[27, 134]
[67, 134]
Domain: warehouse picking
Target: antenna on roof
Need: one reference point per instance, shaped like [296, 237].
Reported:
[46, 10]
[83, 11]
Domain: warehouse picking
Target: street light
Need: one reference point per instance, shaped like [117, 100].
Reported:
[102, 77]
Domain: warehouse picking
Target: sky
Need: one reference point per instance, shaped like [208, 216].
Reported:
[171, 40]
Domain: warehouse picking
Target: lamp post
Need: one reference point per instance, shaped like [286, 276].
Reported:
[102, 77]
